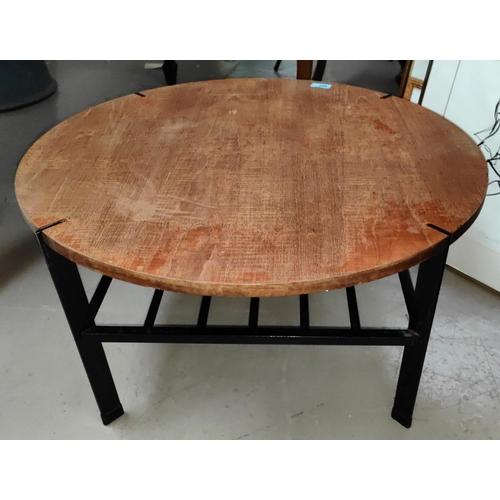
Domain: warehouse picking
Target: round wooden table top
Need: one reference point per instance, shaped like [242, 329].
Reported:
[252, 187]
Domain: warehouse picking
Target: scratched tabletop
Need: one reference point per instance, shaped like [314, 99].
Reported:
[252, 187]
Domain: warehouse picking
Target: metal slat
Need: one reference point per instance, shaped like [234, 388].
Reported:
[253, 316]
[352, 303]
[289, 335]
[153, 308]
[204, 311]
[99, 294]
[304, 312]
[408, 290]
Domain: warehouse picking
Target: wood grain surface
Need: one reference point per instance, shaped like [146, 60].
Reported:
[252, 187]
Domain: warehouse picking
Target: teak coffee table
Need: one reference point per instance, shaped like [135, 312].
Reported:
[251, 188]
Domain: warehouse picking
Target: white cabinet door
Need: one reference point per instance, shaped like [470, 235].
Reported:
[466, 93]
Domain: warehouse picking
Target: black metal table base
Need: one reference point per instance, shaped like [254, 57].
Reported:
[420, 300]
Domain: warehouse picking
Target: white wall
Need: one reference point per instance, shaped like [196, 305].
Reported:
[466, 93]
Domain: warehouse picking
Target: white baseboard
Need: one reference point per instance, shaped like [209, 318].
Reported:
[475, 260]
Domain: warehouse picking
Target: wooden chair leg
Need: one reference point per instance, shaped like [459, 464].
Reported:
[304, 70]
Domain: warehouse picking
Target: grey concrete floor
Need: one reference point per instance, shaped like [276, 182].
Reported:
[228, 392]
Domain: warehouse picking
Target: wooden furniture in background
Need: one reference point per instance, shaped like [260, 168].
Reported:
[304, 70]
[410, 82]
[405, 75]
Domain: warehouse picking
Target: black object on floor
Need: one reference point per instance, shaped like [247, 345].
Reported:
[319, 71]
[169, 69]
[23, 83]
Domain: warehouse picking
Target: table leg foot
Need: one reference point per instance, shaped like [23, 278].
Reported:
[78, 312]
[404, 421]
[112, 415]
[100, 379]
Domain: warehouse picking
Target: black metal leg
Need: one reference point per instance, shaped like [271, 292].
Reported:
[430, 276]
[319, 71]
[277, 65]
[169, 69]
[74, 300]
